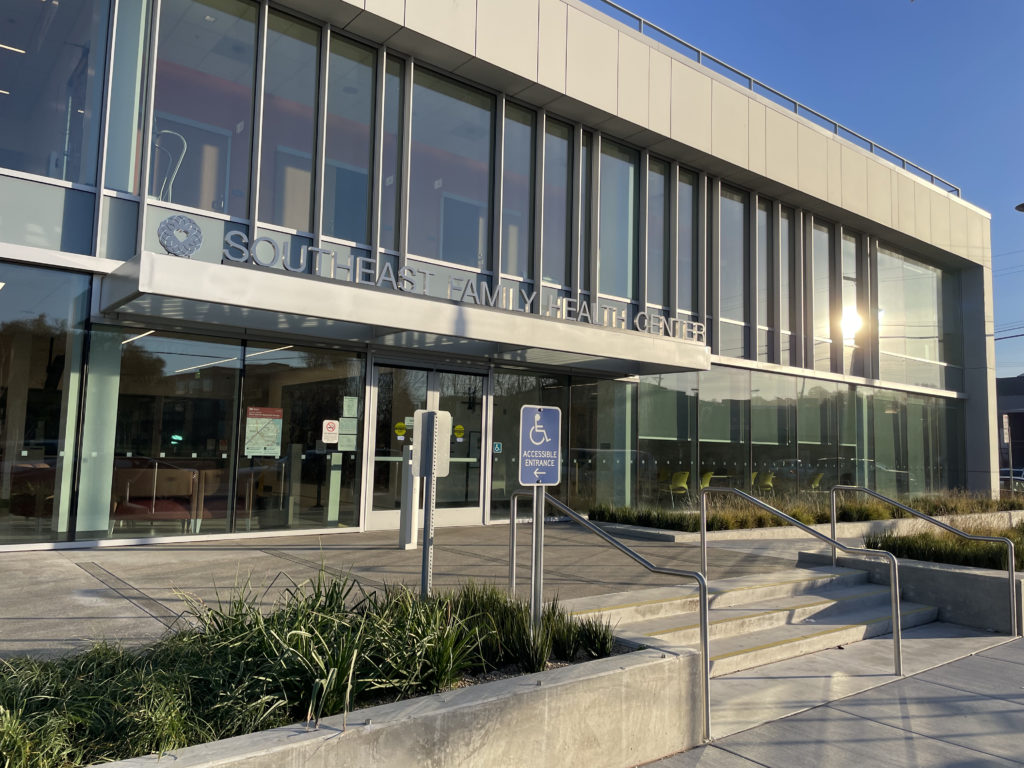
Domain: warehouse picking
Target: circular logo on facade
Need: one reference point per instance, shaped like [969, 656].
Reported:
[180, 236]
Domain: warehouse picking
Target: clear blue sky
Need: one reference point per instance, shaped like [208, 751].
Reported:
[941, 82]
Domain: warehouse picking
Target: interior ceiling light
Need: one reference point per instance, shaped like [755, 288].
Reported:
[136, 338]
[11, 48]
[4, 93]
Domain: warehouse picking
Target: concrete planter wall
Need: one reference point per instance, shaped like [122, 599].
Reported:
[613, 712]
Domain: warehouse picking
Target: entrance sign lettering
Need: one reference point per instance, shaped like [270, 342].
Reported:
[267, 253]
[540, 440]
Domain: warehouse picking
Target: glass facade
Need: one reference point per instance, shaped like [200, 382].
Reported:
[42, 315]
[450, 173]
[288, 136]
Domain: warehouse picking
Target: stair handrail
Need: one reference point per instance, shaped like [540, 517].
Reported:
[894, 577]
[702, 583]
[1015, 630]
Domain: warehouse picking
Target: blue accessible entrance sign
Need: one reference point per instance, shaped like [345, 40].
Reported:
[540, 441]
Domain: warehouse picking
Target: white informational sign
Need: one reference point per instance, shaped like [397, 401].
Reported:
[263, 431]
[330, 431]
[441, 447]
[1006, 428]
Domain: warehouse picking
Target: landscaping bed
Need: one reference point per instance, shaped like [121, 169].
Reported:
[938, 546]
[726, 513]
[233, 669]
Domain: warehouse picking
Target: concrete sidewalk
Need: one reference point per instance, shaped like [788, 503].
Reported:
[58, 601]
[968, 712]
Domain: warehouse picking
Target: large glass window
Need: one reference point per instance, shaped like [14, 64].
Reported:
[287, 476]
[202, 125]
[764, 281]
[734, 275]
[124, 125]
[450, 178]
[666, 429]
[173, 435]
[51, 82]
[391, 161]
[289, 123]
[818, 431]
[686, 267]
[723, 422]
[517, 193]
[602, 444]
[787, 271]
[556, 245]
[821, 295]
[349, 141]
[41, 319]
[918, 322]
[851, 321]
[617, 238]
[658, 218]
[774, 467]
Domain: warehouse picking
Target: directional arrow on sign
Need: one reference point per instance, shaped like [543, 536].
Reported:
[537, 474]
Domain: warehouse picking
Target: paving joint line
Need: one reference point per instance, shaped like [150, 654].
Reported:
[352, 574]
[132, 594]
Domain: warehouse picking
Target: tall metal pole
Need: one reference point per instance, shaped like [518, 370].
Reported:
[537, 562]
[428, 442]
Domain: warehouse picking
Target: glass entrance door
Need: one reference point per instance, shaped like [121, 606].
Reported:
[400, 393]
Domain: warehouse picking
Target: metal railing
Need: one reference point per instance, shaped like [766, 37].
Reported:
[894, 577]
[1010, 562]
[702, 584]
[665, 37]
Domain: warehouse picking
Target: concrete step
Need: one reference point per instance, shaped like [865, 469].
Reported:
[627, 607]
[819, 605]
[753, 649]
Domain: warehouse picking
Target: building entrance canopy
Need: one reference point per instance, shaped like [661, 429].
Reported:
[182, 293]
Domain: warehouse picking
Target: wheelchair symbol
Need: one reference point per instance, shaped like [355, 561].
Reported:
[538, 435]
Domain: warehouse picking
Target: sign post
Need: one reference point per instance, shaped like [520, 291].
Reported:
[431, 434]
[540, 465]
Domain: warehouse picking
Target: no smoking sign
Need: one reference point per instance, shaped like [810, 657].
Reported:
[330, 431]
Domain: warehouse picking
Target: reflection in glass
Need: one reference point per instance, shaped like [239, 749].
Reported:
[41, 321]
[125, 122]
[773, 434]
[400, 393]
[52, 63]
[617, 236]
[391, 166]
[657, 233]
[556, 244]
[462, 396]
[349, 141]
[287, 476]
[602, 441]
[517, 193]
[666, 428]
[202, 127]
[686, 269]
[734, 255]
[818, 434]
[918, 322]
[289, 123]
[450, 178]
[821, 282]
[764, 280]
[176, 410]
[787, 253]
[851, 321]
[723, 419]
[586, 203]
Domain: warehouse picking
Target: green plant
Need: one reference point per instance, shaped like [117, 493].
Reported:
[945, 547]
